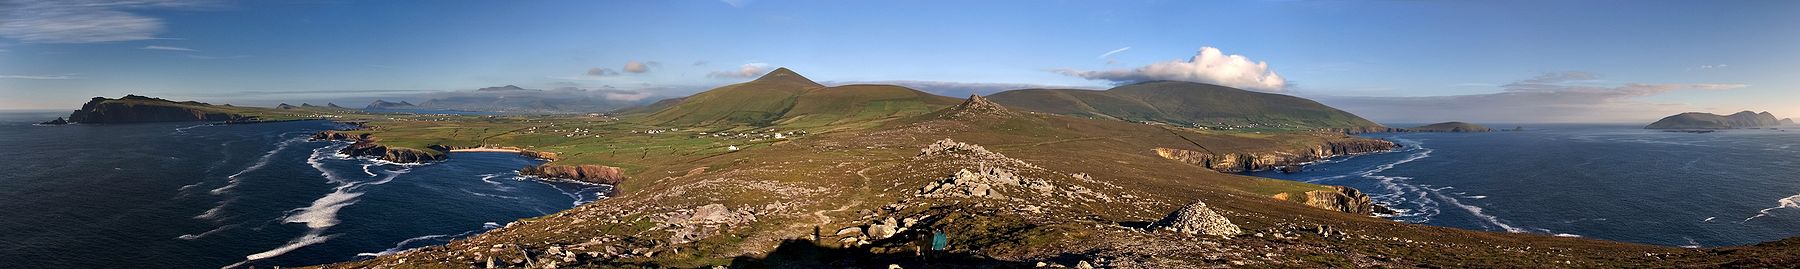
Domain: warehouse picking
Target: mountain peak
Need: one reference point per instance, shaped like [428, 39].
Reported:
[782, 75]
[976, 106]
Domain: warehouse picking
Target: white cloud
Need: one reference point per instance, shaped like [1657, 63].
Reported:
[168, 48]
[1713, 66]
[736, 3]
[1208, 66]
[639, 67]
[1552, 97]
[38, 77]
[83, 21]
[748, 70]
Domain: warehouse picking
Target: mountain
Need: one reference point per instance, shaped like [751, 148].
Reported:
[1451, 127]
[134, 108]
[514, 99]
[1188, 104]
[383, 104]
[1700, 120]
[783, 97]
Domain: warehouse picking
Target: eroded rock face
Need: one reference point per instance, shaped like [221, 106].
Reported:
[1256, 161]
[1341, 199]
[587, 173]
[1197, 218]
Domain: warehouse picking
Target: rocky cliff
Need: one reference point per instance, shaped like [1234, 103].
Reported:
[585, 173]
[133, 108]
[1232, 162]
[366, 146]
[1339, 198]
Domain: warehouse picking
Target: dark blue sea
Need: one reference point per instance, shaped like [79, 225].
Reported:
[1613, 182]
[189, 195]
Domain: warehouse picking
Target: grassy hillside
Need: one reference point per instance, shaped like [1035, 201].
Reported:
[852, 105]
[787, 99]
[1187, 104]
[758, 102]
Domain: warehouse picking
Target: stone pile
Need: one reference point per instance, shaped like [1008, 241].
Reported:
[1197, 218]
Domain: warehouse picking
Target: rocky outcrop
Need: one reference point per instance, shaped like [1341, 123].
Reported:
[1257, 161]
[975, 106]
[691, 225]
[392, 154]
[57, 121]
[133, 109]
[1197, 218]
[984, 182]
[1339, 198]
[365, 146]
[586, 173]
[285, 106]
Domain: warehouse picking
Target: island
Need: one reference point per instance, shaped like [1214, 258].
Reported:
[1452, 127]
[1709, 121]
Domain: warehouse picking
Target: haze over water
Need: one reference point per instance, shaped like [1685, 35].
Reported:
[188, 195]
[1612, 182]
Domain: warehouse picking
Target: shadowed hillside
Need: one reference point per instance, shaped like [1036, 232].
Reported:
[1187, 104]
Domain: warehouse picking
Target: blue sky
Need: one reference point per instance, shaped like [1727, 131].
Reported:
[1392, 61]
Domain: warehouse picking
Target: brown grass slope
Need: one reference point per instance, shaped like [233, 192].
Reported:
[763, 206]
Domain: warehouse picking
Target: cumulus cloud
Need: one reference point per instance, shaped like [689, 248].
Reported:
[601, 72]
[639, 67]
[1208, 66]
[748, 70]
[1552, 97]
[84, 21]
[38, 77]
[168, 48]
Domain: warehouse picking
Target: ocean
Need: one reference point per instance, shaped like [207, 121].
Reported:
[191, 195]
[1612, 182]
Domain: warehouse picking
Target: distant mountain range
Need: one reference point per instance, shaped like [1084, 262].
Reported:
[786, 98]
[1700, 120]
[384, 104]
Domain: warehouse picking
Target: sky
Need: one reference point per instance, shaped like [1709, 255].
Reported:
[1390, 61]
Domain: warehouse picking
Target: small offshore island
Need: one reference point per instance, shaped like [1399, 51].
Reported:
[1709, 121]
[781, 171]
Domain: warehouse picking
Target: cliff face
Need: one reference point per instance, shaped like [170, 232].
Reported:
[365, 146]
[586, 173]
[1340, 199]
[1257, 161]
[132, 108]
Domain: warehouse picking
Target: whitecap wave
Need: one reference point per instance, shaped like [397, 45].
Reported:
[322, 213]
[206, 233]
[233, 179]
[1789, 202]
